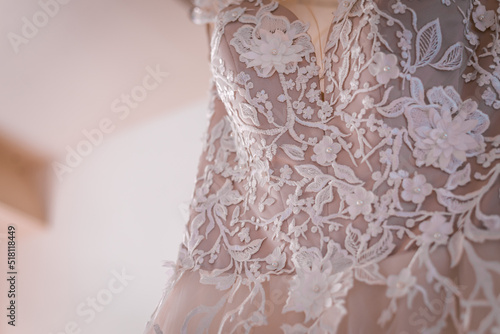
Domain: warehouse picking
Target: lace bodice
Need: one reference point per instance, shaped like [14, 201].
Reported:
[363, 203]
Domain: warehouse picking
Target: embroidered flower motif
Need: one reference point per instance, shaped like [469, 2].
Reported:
[374, 229]
[276, 260]
[360, 202]
[244, 234]
[260, 171]
[368, 102]
[483, 18]
[185, 260]
[384, 67]
[472, 38]
[448, 131]
[325, 110]
[343, 7]
[399, 285]
[404, 41]
[436, 229]
[325, 151]
[286, 172]
[399, 8]
[307, 112]
[314, 287]
[445, 138]
[355, 52]
[274, 44]
[254, 268]
[489, 97]
[416, 189]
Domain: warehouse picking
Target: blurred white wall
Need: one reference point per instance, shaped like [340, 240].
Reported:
[63, 74]
[119, 211]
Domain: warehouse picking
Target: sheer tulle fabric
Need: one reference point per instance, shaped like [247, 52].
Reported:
[369, 207]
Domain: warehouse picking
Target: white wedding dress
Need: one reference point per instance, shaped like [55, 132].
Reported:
[372, 206]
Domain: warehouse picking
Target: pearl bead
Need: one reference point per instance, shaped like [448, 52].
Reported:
[274, 51]
[399, 285]
[316, 288]
[437, 235]
[481, 17]
[329, 150]
[417, 190]
[346, 3]
[444, 135]
[234, 14]
[240, 166]
[386, 68]
[359, 202]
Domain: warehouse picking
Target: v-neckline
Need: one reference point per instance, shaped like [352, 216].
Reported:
[294, 17]
[318, 19]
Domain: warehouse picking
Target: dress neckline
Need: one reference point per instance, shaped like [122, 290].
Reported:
[343, 7]
[294, 17]
[319, 29]
[323, 69]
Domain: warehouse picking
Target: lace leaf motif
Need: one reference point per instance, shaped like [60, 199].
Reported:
[428, 43]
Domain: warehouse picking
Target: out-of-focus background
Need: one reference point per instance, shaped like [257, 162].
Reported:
[102, 111]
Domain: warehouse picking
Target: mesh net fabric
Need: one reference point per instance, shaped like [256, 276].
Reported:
[369, 207]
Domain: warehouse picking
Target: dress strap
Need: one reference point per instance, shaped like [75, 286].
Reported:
[205, 11]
